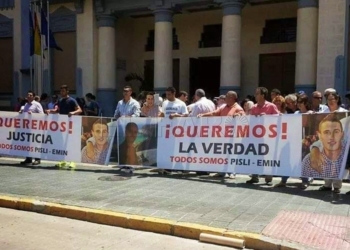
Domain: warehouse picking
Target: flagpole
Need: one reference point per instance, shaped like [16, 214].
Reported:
[48, 46]
[31, 56]
[42, 51]
[35, 59]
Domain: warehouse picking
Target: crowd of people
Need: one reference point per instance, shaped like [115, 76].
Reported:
[172, 105]
[176, 105]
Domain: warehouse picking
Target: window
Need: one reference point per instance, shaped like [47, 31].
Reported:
[150, 41]
[279, 31]
[211, 36]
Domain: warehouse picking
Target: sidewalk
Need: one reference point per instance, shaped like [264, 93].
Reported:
[309, 218]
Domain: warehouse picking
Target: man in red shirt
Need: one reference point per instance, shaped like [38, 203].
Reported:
[262, 107]
[231, 108]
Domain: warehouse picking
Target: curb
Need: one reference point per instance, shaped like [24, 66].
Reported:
[142, 223]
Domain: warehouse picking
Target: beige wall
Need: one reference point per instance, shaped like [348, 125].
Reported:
[131, 37]
[331, 38]
[7, 60]
[124, 49]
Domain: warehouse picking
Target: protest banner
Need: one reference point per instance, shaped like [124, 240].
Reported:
[267, 145]
[56, 137]
[138, 141]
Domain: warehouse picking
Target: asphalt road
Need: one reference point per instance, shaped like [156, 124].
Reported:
[26, 230]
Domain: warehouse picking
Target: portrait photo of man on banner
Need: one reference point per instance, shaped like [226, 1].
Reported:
[137, 142]
[96, 140]
[327, 149]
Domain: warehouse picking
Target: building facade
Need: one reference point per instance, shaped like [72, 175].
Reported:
[217, 45]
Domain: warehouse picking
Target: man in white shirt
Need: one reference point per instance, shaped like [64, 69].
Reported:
[31, 107]
[202, 104]
[173, 107]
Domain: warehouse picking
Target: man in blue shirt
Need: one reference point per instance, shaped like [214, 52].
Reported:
[66, 106]
[127, 107]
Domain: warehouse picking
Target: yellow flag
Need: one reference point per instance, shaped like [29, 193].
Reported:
[37, 36]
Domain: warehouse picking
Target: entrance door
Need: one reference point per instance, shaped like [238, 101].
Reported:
[277, 71]
[205, 74]
[149, 74]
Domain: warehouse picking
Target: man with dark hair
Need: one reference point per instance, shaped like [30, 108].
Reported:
[274, 93]
[53, 103]
[30, 107]
[66, 105]
[91, 108]
[127, 150]
[96, 148]
[173, 107]
[316, 102]
[331, 136]
[183, 96]
[44, 101]
[262, 107]
[128, 106]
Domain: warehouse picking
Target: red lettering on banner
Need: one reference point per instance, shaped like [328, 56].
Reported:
[26, 123]
[243, 131]
[34, 124]
[259, 131]
[229, 131]
[42, 125]
[273, 130]
[204, 131]
[284, 131]
[17, 123]
[226, 131]
[216, 131]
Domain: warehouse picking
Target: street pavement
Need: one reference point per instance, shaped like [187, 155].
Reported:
[309, 217]
[32, 231]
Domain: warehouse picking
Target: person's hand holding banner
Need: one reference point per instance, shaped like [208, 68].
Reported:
[316, 159]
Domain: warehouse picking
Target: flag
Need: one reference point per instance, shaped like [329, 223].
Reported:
[31, 33]
[44, 31]
[37, 36]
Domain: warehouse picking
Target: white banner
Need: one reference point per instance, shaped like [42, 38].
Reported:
[51, 137]
[245, 144]
[57, 137]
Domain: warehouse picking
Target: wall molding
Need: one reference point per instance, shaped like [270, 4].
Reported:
[63, 20]
[6, 27]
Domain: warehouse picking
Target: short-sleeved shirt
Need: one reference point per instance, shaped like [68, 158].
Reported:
[92, 106]
[67, 105]
[175, 107]
[99, 156]
[202, 106]
[34, 107]
[152, 112]
[226, 110]
[268, 108]
[331, 169]
[131, 108]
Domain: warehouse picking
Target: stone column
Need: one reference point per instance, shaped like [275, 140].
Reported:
[230, 78]
[163, 49]
[87, 36]
[21, 50]
[106, 91]
[306, 46]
